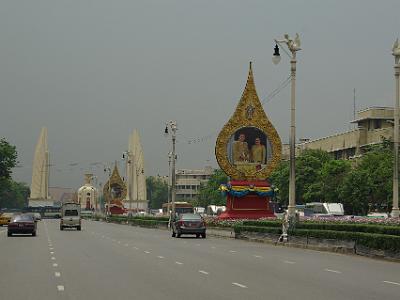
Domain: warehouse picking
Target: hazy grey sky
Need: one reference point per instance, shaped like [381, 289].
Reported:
[92, 71]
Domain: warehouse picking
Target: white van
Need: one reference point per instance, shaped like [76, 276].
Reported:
[70, 216]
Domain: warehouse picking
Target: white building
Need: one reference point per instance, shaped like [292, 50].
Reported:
[188, 182]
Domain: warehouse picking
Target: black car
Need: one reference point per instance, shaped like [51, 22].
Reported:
[189, 224]
[24, 223]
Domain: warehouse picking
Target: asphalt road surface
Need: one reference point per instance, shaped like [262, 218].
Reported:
[110, 261]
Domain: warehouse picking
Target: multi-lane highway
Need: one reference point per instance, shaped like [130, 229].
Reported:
[110, 261]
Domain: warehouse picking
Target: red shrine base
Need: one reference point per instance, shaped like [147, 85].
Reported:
[250, 206]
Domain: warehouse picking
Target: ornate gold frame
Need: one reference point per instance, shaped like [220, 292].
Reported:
[248, 113]
[115, 179]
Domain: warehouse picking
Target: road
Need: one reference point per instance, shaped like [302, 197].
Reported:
[111, 261]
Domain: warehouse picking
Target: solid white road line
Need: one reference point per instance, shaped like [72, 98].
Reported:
[332, 271]
[57, 274]
[178, 263]
[203, 272]
[391, 282]
[60, 288]
[239, 285]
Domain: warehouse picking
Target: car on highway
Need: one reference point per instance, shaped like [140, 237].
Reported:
[5, 218]
[189, 224]
[22, 224]
[71, 216]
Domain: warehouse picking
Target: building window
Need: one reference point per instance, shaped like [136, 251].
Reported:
[378, 124]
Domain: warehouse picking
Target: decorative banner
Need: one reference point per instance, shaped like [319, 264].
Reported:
[241, 191]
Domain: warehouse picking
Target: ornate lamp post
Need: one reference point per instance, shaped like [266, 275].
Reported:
[127, 156]
[173, 126]
[395, 207]
[293, 45]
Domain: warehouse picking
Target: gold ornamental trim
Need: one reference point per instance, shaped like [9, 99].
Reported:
[249, 113]
[114, 180]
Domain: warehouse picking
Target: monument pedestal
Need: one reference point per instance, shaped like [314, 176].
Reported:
[250, 206]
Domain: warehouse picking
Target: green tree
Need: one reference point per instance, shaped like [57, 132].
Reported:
[333, 173]
[157, 192]
[209, 193]
[308, 176]
[14, 195]
[355, 192]
[378, 164]
[280, 179]
[8, 159]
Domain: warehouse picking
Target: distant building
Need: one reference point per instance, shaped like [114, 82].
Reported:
[61, 195]
[188, 182]
[373, 124]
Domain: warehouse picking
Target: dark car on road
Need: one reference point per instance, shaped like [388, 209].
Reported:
[22, 224]
[189, 224]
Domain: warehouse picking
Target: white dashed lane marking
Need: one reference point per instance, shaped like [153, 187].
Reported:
[136, 248]
[257, 256]
[60, 288]
[332, 271]
[239, 285]
[57, 274]
[160, 256]
[203, 272]
[55, 265]
[147, 252]
[290, 262]
[391, 282]
[232, 251]
[53, 258]
[178, 263]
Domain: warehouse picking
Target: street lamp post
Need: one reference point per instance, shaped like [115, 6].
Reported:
[395, 207]
[126, 155]
[293, 45]
[138, 171]
[108, 169]
[169, 178]
[174, 128]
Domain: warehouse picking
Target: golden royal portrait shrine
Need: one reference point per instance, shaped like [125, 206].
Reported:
[248, 149]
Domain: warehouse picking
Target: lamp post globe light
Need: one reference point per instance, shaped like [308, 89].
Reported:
[173, 126]
[293, 45]
[395, 207]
